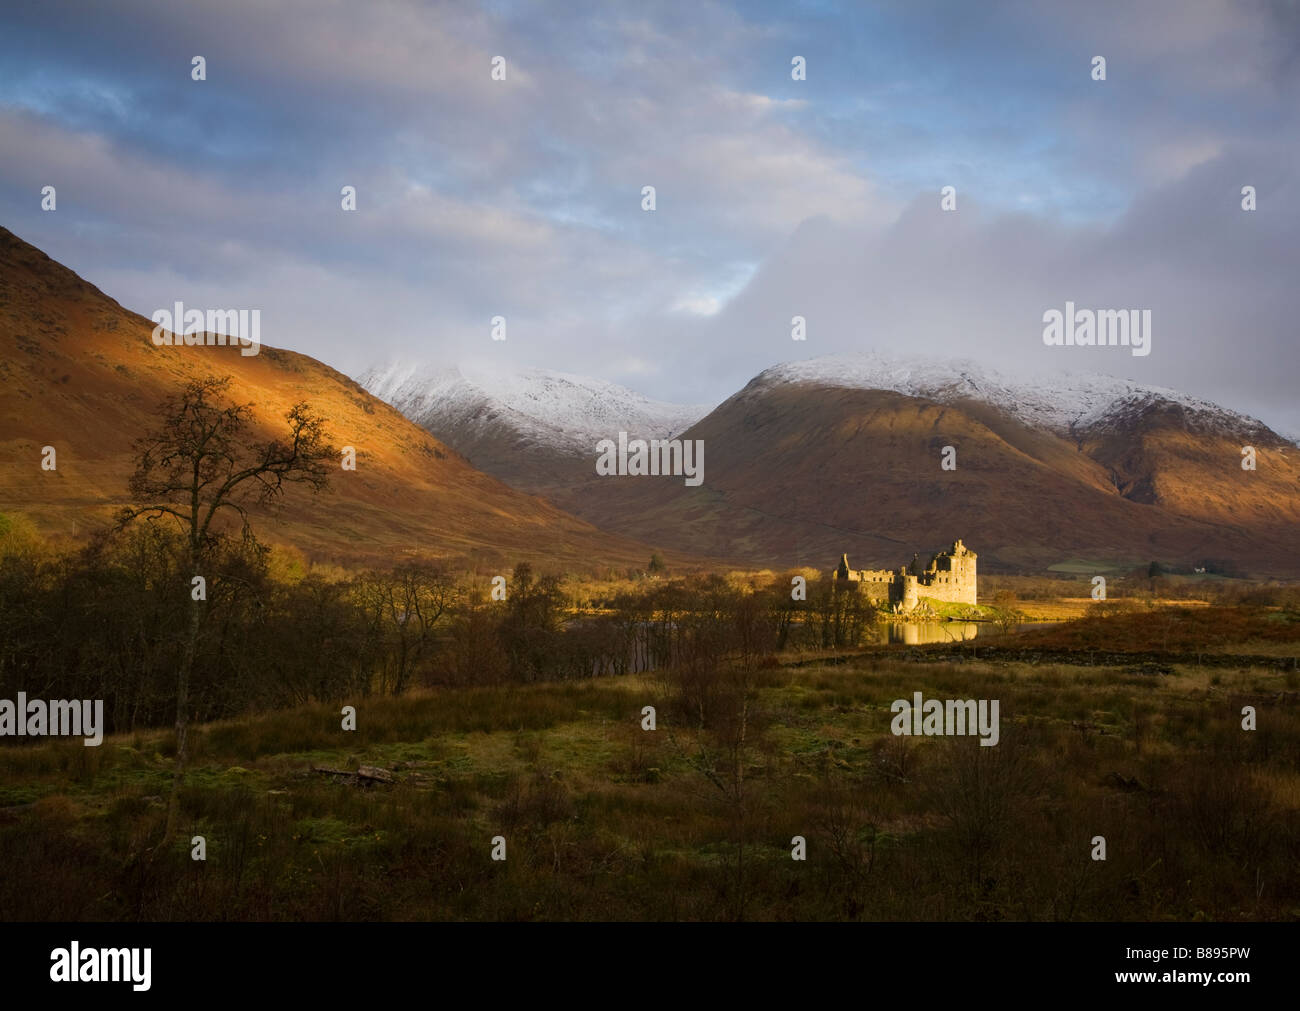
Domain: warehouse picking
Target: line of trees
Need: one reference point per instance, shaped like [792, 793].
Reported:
[179, 613]
[112, 621]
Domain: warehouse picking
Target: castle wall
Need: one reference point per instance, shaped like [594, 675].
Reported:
[949, 577]
[910, 595]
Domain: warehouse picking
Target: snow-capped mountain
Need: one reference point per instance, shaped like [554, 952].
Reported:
[1065, 403]
[842, 453]
[550, 410]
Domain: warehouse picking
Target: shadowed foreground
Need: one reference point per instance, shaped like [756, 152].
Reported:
[604, 820]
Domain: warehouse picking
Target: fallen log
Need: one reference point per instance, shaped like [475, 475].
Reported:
[362, 774]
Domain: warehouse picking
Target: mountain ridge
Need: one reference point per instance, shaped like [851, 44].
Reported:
[558, 409]
[1125, 470]
[81, 373]
[1065, 402]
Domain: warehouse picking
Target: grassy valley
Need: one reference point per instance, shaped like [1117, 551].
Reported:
[696, 819]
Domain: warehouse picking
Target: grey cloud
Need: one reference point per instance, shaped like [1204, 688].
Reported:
[523, 199]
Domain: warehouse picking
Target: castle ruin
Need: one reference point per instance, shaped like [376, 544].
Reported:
[950, 577]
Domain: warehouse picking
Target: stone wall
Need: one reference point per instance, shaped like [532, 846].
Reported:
[950, 576]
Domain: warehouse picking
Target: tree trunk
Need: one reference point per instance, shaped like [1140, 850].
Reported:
[183, 713]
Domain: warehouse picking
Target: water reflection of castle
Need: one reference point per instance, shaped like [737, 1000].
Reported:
[950, 577]
[919, 633]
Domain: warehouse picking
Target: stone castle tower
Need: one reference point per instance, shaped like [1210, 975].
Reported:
[950, 577]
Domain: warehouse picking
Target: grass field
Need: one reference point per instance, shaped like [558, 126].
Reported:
[605, 820]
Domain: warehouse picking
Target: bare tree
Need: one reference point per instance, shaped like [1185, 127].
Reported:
[199, 465]
[1008, 618]
[407, 605]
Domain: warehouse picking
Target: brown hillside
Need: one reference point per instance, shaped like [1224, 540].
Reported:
[798, 473]
[80, 373]
[1159, 455]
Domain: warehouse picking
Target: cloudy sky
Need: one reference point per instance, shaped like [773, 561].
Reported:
[775, 197]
